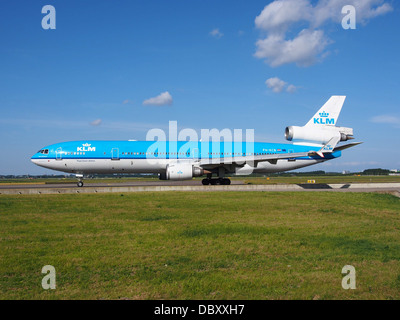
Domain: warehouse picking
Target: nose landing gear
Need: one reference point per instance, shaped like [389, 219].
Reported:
[80, 180]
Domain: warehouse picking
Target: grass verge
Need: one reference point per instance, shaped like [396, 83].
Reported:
[182, 245]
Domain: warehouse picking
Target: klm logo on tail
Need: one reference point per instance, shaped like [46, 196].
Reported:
[323, 119]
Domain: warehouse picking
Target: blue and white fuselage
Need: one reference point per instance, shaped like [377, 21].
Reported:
[85, 157]
[313, 143]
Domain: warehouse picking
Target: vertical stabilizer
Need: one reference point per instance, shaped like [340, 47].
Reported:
[329, 113]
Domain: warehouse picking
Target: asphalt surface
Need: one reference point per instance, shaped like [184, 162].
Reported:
[192, 186]
[117, 184]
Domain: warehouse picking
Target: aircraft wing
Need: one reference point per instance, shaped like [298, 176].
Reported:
[252, 159]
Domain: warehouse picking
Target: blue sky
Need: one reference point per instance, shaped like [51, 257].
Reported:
[116, 69]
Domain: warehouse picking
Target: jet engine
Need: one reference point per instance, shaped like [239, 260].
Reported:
[181, 171]
[317, 134]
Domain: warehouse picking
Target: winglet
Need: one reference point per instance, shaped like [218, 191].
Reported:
[329, 147]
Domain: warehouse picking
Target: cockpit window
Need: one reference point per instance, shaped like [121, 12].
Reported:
[44, 151]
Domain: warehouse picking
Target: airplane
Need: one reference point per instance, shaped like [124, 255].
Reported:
[315, 142]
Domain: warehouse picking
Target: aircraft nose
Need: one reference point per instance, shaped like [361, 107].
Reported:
[34, 158]
[39, 162]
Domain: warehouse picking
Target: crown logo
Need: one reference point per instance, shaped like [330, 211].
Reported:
[323, 114]
[86, 144]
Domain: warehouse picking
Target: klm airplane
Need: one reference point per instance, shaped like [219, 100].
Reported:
[313, 143]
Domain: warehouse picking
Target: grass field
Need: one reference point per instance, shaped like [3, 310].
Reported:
[178, 245]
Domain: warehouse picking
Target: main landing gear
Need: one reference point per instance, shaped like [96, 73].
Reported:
[221, 181]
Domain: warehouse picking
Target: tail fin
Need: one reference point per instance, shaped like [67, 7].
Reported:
[328, 114]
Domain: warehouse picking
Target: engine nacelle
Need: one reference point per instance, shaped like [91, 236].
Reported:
[317, 134]
[181, 171]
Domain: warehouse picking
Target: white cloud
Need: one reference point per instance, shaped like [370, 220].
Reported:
[162, 99]
[278, 15]
[383, 9]
[96, 122]
[283, 17]
[127, 101]
[216, 33]
[277, 85]
[331, 10]
[291, 88]
[387, 119]
[302, 50]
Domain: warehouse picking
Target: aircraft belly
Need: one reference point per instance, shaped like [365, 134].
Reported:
[284, 165]
[118, 166]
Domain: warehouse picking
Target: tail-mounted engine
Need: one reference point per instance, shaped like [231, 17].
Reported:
[317, 134]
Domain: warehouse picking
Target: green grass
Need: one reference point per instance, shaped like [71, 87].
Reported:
[181, 245]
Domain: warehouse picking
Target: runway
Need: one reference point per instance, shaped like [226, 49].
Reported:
[192, 186]
[105, 184]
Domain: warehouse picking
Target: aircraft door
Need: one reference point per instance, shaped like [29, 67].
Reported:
[115, 154]
[59, 154]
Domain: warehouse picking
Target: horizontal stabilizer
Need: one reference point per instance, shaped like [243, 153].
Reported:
[346, 146]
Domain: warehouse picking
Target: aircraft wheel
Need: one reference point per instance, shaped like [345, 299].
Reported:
[205, 182]
[225, 181]
[80, 184]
